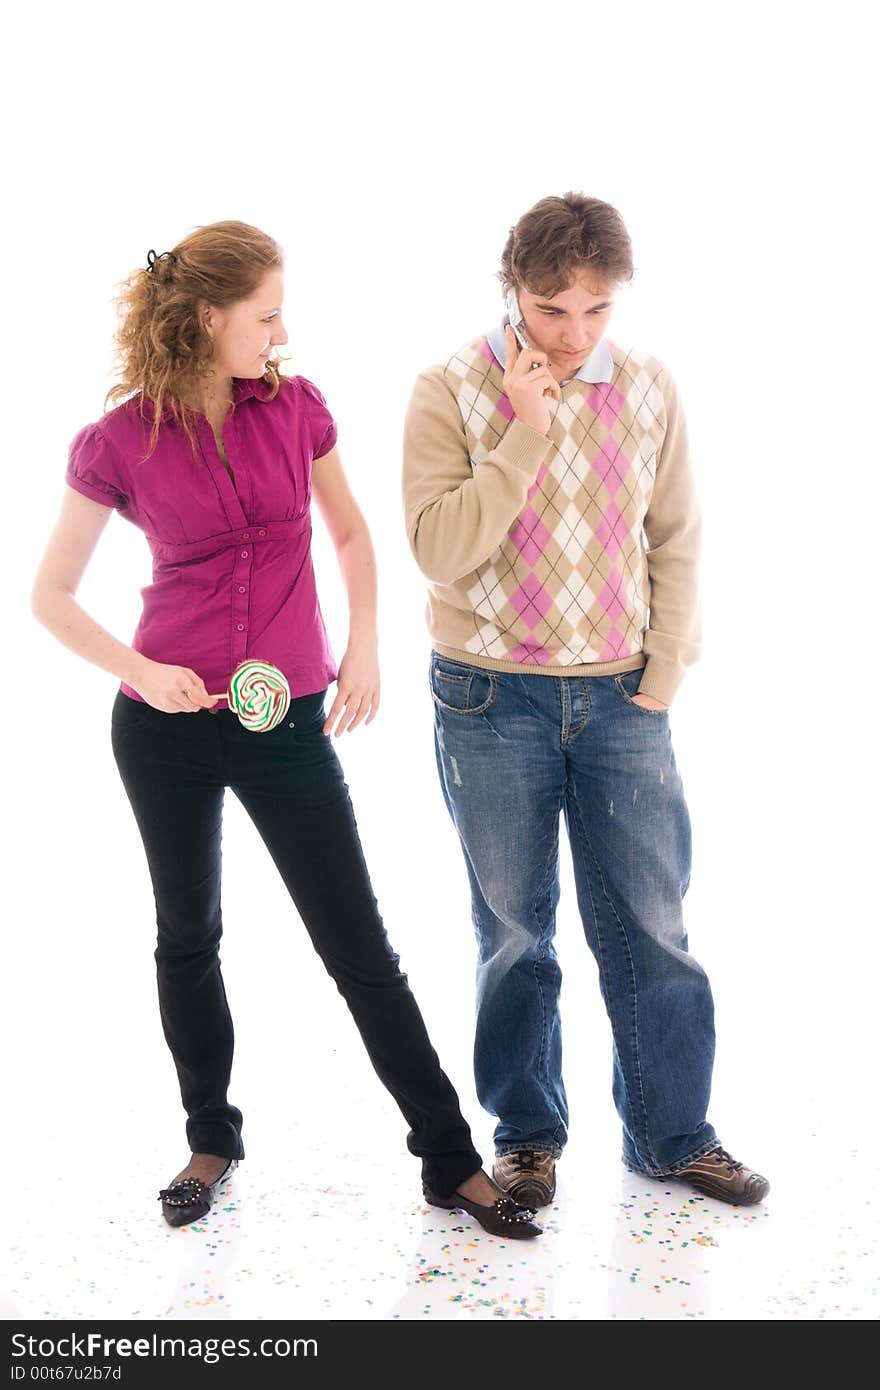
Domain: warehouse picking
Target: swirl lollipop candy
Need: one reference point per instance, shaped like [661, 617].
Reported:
[259, 694]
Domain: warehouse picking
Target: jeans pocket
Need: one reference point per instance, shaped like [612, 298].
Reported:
[128, 714]
[306, 715]
[627, 684]
[461, 689]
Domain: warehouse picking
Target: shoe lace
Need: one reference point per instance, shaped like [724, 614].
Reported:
[724, 1157]
[527, 1160]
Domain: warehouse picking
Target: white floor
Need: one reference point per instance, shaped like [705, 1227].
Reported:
[355, 1242]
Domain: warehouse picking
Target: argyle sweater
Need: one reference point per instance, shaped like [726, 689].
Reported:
[574, 553]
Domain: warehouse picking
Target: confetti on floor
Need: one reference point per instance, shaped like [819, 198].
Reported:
[620, 1247]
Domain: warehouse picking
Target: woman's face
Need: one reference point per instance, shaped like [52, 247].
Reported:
[246, 333]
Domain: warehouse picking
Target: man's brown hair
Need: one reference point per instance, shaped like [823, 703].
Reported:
[558, 238]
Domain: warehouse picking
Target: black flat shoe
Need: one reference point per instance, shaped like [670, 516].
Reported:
[189, 1198]
[503, 1218]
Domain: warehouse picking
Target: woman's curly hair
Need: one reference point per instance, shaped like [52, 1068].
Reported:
[162, 346]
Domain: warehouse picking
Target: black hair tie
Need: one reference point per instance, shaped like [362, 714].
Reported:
[153, 258]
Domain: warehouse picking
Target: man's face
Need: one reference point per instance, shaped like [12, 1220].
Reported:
[568, 325]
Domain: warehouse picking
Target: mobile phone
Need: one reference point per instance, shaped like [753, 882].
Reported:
[514, 314]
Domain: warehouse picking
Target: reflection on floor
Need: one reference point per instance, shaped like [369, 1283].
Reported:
[620, 1247]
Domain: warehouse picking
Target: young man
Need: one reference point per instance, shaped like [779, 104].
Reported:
[550, 503]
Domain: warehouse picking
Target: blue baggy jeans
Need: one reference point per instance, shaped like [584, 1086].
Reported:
[513, 751]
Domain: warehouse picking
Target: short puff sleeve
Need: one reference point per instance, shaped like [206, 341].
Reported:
[322, 426]
[94, 469]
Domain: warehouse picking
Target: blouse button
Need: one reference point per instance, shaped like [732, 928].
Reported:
[245, 535]
[244, 554]
[261, 532]
[241, 588]
[240, 626]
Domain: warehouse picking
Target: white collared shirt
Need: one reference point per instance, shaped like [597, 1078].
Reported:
[598, 366]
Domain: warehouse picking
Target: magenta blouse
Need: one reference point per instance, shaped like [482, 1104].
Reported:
[232, 565]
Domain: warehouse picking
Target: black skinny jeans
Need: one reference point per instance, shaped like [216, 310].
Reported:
[175, 768]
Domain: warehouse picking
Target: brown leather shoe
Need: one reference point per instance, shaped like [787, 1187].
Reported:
[719, 1175]
[527, 1175]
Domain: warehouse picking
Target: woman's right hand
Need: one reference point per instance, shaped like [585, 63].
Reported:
[172, 689]
[525, 385]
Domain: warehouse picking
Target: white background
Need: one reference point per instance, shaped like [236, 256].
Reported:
[389, 149]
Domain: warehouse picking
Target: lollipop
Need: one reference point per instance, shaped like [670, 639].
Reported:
[259, 694]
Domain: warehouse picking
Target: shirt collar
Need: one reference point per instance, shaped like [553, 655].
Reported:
[250, 386]
[599, 366]
[242, 389]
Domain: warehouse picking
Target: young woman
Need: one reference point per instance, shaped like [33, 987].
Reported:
[215, 456]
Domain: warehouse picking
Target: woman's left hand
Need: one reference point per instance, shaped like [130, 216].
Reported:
[357, 689]
[647, 701]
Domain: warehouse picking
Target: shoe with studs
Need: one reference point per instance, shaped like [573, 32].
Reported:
[188, 1199]
[503, 1218]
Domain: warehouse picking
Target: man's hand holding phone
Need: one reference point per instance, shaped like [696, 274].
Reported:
[529, 384]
